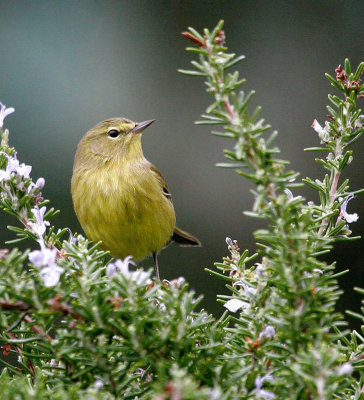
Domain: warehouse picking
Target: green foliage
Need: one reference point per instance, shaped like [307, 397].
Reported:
[76, 324]
[291, 289]
[120, 331]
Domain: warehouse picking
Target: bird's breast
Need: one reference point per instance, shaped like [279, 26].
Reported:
[124, 206]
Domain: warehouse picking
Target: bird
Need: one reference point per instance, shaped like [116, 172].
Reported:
[119, 197]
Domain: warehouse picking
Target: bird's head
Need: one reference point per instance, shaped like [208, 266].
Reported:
[115, 137]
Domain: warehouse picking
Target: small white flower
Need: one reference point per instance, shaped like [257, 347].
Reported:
[267, 333]
[234, 305]
[349, 218]
[215, 394]
[345, 369]
[98, 384]
[358, 123]
[139, 277]
[13, 165]
[322, 132]
[51, 275]
[39, 227]
[121, 265]
[45, 260]
[265, 394]
[4, 176]
[318, 271]
[4, 112]
[316, 126]
[259, 270]
[24, 170]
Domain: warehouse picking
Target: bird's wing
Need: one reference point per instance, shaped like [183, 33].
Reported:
[161, 181]
[179, 236]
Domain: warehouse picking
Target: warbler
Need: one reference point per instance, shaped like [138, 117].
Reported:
[119, 197]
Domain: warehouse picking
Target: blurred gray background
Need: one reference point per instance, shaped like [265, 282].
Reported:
[66, 65]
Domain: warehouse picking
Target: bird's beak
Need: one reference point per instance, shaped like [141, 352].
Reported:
[140, 126]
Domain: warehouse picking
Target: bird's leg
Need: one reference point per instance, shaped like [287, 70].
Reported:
[156, 265]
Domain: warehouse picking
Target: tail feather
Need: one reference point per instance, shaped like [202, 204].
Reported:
[184, 238]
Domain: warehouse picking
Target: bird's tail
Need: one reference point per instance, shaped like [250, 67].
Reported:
[184, 238]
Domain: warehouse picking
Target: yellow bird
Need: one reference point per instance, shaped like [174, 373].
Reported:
[119, 197]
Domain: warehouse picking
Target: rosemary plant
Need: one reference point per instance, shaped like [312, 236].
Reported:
[76, 324]
[287, 331]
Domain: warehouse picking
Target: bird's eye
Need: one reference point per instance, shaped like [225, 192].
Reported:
[113, 133]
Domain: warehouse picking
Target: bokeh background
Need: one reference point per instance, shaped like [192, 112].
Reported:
[66, 65]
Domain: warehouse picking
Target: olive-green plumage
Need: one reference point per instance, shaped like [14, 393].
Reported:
[119, 197]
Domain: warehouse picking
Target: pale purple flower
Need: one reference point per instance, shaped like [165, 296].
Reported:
[229, 242]
[45, 260]
[139, 277]
[4, 112]
[121, 265]
[249, 291]
[264, 394]
[232, 245]
[233, 305]
[53, 363]
[13, 165]
[290, 195]
[349, 218]
[345, 369]
[267, 333]
[42, 257]
[39, 227]
[72, 239]
[259, 269]
[40, 183]
[37, 186]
